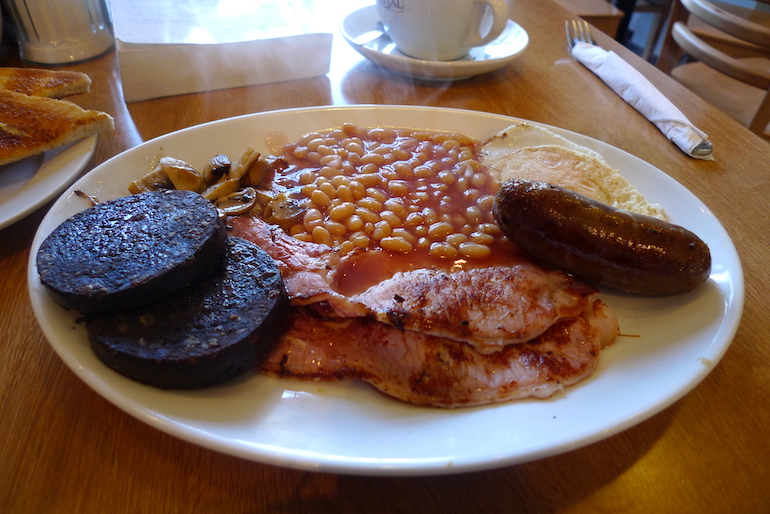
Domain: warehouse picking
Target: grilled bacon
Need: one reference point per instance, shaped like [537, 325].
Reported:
[433, 371]
[434, 337]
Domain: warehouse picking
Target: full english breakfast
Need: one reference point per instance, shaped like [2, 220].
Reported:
[398, 252]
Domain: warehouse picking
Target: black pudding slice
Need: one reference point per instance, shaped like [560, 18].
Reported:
[125, 252]
[204, 336]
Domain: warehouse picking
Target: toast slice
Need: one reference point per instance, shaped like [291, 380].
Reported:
[48, 83]
[31, 125]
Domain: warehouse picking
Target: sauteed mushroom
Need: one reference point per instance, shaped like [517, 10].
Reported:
[169, 173]
[234, 188]
[241, 166]
[217, 166]
[284, 211]
[154, 180]
[222, 188]
[181, 174]
[236, 203]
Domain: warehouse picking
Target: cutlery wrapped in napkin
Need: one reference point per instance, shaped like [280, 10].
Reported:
[635, 89]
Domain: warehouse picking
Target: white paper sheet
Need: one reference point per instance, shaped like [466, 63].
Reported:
[167, 47]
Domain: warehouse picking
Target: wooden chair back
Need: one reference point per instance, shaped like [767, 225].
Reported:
[681, 40]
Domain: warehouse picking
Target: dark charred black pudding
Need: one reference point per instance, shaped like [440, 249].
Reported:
[208, 334]
[122, 253]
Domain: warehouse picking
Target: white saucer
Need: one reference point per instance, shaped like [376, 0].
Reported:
[383, 51]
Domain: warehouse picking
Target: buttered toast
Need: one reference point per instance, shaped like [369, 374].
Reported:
[30, 125]
[41, 82]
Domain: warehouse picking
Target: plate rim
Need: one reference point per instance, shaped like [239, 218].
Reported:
[315, 462]
[53, 184]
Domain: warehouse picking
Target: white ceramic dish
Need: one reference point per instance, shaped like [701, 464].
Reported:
[27, 185]
[511, 43]
[348, 427]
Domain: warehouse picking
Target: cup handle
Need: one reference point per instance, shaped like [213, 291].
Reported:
[499, 22]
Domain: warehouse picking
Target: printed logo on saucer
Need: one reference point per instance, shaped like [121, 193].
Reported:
[392, 5]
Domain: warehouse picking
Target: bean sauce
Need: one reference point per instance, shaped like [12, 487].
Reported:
[398, 190]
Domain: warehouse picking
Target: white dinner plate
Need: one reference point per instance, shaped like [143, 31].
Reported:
[349, 427]
[497, 54]
[28, 184]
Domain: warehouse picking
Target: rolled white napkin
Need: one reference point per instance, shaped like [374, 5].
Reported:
[635, 89]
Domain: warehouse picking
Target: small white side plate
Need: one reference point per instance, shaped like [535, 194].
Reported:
[27, 185]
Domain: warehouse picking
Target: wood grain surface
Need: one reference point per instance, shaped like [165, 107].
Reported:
[65, 449]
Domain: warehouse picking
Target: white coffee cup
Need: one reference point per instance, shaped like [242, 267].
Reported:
[442, 30]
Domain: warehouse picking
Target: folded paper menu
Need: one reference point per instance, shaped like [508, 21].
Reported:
[635, 89]
[167, 47]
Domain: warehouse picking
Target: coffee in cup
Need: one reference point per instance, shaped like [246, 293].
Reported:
[442, 30]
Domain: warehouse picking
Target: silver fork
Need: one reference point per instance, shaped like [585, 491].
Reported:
[578, 30]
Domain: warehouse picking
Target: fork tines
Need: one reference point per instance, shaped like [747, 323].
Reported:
[578, 30]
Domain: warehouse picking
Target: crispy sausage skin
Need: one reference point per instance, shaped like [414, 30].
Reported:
[627, 251]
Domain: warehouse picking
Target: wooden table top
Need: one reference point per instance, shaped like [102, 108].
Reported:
[63, 448]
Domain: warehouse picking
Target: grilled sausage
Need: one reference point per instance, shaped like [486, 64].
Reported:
[608, 246]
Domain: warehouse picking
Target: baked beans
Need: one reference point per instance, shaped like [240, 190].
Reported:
[399, 190]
